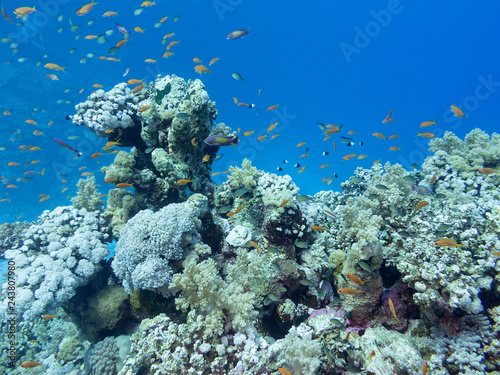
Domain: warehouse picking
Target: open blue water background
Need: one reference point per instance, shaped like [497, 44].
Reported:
[336, 62]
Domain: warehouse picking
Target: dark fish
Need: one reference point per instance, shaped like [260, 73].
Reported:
[241, 191]
[297, 165]
[300, 319]
[221, 140]
[354, 369]
[64, 144]
[279, 169]
[183, 115]
[366, 266]
[414, 165]
[381, 187]
[404, 234]
[361, 143]
[237, 34]
[285, 161]
[335, 175]
[350, 144]
[336, 301]
[325, 153]
[421, 189]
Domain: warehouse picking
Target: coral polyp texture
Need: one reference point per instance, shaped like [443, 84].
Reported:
[395, 274]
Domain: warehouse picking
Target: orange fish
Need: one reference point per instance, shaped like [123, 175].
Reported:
[351, 132]
[248, 132]
[183, 181]
[487, 171]
[97, 85]
[86, 174]
[284, 202]
[42, 199]
[393, 310]
[394, 136]
[332, 130]
[360, 157]
[272, 126]
[457, 111]
[109, 13]
[302, 169]
[446, 242]
[194, 143]
[253, 244]
[172, 43]
[272, 107]
[6, 113]
[261, 137]
[201, 69]
[168, 35]
[85, 9]
[145, 108]
[301, 144]
[137, 29]
[133, 81]
[323, 166]
[348, 157]
[421, 205]
[354, 279]
[317, 228]
[147, 3]
[425, 135]
[379, 135]
[326, 138]
[347, 291]
[238, 209]
[424, 368]
[23, 11]
[48, 317]
[198, 61]
[275, 136]
[53, 66]
[12, 163]
[138, 88]
[427, 123]
[31, 122]
[205, 158]
[283, 371]
[123, 185]
[6, 16]
[95, 155]
[388, 118]
[121, 43]
[110, 180]
[213, 61]
[394, 148]
[30, 364]
[304, 155]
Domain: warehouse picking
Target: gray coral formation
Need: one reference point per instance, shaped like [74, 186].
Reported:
[151, 241]
[53, 257]
[103, 357]
[111, 110]
[165, 124]
[88, 195]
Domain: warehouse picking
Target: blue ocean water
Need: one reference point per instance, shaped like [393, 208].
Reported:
[337, 63]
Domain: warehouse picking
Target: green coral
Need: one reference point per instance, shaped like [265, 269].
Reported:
[88, 195]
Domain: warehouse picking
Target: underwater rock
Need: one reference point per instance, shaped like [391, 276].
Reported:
[106, 309]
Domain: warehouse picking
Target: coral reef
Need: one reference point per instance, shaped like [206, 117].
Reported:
[150, 242]
[88, 195]
[55, 256]
[107, 110]
[103, 357]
